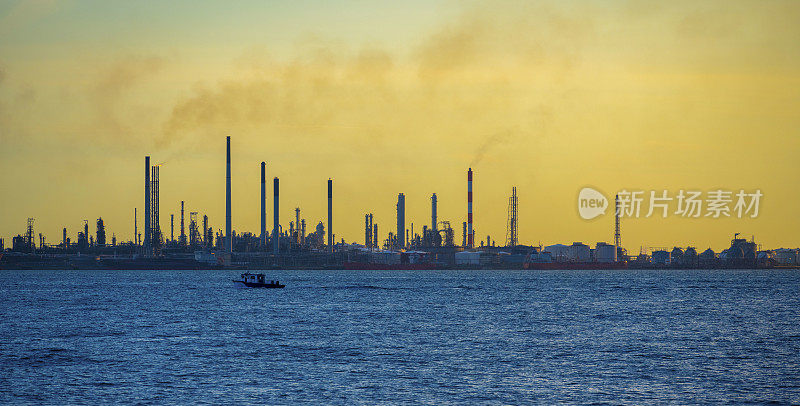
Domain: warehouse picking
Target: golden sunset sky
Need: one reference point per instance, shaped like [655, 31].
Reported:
[390, 97]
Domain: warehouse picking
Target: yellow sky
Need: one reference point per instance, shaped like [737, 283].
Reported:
[544, 96]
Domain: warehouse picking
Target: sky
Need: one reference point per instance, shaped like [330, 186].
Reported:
[401, 97]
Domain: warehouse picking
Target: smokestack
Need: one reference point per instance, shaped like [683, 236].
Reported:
[205, 230]
[155, 214]
[183, 229]
[616, 227]
[264, 204]
[229, 236]
[470, 235]
[367, 232]
[371, 241]
[433, 213]
[135, 228]
[375, 236]
[172, 227]
[330, 215]
[401, 220]
[275, 226]
[297, 237]
[146, 202]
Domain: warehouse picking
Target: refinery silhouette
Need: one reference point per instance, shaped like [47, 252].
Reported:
[435, 247]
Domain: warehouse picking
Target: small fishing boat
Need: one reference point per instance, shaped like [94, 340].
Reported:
[252, 280]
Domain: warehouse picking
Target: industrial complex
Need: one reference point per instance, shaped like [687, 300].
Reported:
[199, 246]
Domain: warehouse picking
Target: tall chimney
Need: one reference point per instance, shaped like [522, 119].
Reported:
[205, 231]
[617, 239]
[367, 232]
[470, 235]
[375, 236]
[330, 215]
[229, 236]
[172, 227]
[371, 241]
[135, 228]
[183, 229]
[146, 202]
[433, 213]
[263, 204]
[401, 220]
[276, 239]
[298, 236]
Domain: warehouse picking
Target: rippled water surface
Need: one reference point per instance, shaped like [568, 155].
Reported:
[397, 337]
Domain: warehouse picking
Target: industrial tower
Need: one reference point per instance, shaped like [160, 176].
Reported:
[155, 218]
[617, 238]
[512, 234]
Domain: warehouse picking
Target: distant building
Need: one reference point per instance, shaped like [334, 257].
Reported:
[661, 257]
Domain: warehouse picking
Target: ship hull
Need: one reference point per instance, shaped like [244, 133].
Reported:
[243, 284]
[366, 266]
[575, 265]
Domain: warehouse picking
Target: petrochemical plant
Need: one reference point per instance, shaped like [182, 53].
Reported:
[304, 245]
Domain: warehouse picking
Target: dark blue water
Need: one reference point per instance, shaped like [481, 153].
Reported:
[400, 337]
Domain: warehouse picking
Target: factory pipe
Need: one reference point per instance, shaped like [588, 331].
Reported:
[263, 204]
[183, 228]
[276, 244]
[433, 213]
[470, 235]
[229, 236]
[146, 202]
[401, 221]
[330, 215]
[375, 236]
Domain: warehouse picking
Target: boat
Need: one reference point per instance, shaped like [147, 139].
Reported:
[252, 280]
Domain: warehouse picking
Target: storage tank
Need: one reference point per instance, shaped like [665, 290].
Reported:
[785, 256]
[707, 258]
[677, 255]
[661, 257]
[558, 252]
[579, 252]
[690, 257]
[604, 252]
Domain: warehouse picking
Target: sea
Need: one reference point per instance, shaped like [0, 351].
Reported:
[401, 337]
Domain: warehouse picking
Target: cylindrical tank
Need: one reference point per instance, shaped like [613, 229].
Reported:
[604, 252]
[661, 257]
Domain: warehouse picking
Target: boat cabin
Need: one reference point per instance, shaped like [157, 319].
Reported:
[253, 278]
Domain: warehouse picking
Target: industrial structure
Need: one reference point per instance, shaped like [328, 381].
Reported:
[330, 215]
[401, 222]
[470, 235]
[263, 234]
[617, 240]
[155, 218]
[276, 228]
[228, 235]
[511, 230]
[147, 196]
[404, 248]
